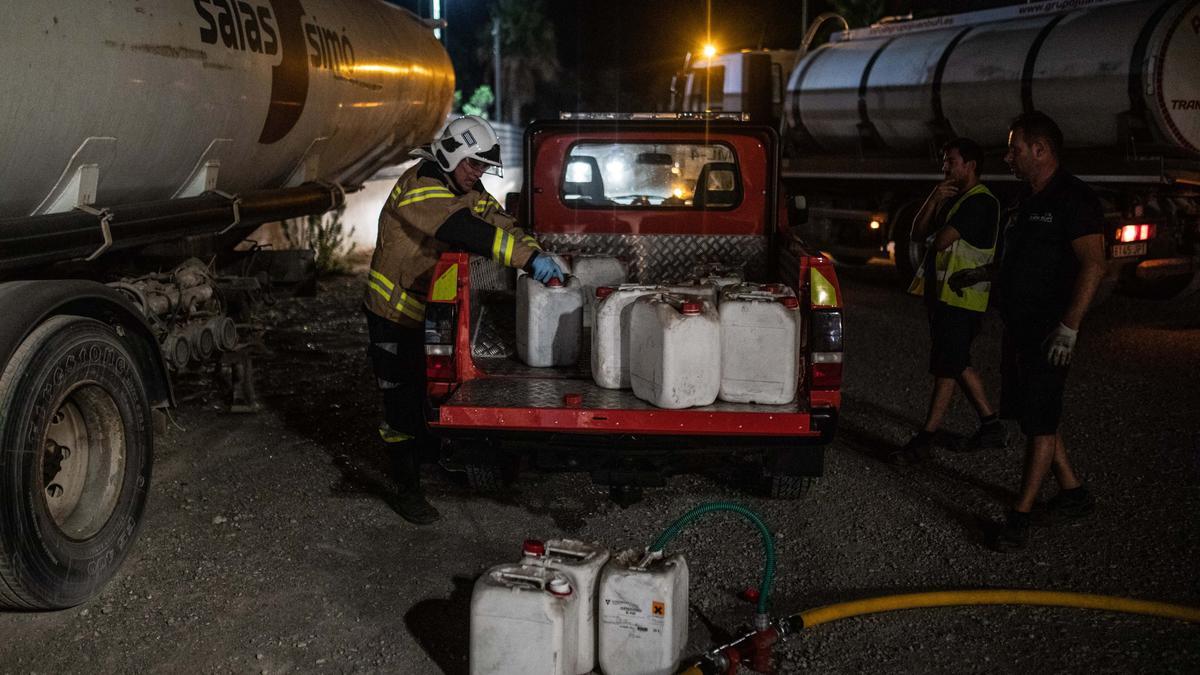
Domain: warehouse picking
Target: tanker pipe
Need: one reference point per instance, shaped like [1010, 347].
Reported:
[36, 241]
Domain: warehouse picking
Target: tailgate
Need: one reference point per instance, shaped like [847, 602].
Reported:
[572, 405]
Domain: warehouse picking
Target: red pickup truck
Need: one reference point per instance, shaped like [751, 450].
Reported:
[663, 195]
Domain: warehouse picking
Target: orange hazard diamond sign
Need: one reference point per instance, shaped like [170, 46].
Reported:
[658, 609]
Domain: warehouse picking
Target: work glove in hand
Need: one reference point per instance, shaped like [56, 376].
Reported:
[963, 278]
[545, 269]
[1060, 344]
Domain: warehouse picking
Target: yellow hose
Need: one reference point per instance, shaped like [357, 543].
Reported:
[710, 663]
[889, 603]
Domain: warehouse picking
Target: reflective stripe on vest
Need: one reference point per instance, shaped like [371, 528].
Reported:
[421, 194]
[482, 204]
[406, 304]
[960, 255]
[502, 247]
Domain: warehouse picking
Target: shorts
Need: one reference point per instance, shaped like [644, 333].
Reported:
[952, 330]
[1031, 389]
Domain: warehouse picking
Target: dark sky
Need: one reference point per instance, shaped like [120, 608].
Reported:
[619, 54]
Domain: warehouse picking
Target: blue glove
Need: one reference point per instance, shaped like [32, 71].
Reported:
[545, 269]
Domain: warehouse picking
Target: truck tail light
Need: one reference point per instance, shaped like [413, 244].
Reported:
[825, 350]
[440, 328]
[1135, 232]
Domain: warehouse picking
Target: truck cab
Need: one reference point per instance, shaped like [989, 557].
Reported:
[662, 193]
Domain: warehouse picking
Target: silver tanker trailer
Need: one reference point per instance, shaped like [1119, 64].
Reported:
[137, 138]
[865, 114]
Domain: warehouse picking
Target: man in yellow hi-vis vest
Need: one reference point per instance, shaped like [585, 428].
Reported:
[960, 222]
[438, 205]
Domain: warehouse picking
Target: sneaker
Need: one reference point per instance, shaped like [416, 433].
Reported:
[412, 506]
[914, 451]
[987, 437]
[1011, 535]
[1070, 504]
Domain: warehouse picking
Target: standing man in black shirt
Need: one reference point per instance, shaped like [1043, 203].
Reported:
[1051, 264]
[959, 221]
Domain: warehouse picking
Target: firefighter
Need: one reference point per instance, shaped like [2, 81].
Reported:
[960, 222]
[437, 205]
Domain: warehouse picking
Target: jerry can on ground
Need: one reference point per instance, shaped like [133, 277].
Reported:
[643, 615]
[675, 351]
[760, 344]
[523, 622]
[595, 271]
[581, 562]
[610, 333]
[549, 321]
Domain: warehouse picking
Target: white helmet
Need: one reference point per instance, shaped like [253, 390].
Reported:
[468, 137]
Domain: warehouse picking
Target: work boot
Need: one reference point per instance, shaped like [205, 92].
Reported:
[412, 506]
[989, 436]
[1070, 504]
[1010, 535]
[914, 451]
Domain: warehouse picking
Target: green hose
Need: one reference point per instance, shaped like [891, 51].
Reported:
[768, 577]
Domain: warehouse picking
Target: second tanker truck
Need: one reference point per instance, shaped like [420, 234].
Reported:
[139, 138]
[865, 114]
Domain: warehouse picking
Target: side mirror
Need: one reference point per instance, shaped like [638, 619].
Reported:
[512, 202]
[798, 210]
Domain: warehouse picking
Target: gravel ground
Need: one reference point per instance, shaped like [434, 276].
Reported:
[267, 548]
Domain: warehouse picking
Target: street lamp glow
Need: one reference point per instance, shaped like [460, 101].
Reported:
[709, 50]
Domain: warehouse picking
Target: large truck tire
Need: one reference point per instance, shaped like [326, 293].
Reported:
[76, 441]
[907, 254]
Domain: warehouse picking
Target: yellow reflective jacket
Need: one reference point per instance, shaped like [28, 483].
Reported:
[961, 255]
[408, 248]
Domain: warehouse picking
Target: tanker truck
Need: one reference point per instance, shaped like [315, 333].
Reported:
[142, 142]
[864, 116]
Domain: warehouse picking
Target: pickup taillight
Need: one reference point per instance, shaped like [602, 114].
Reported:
[825, 349]
[440, 332]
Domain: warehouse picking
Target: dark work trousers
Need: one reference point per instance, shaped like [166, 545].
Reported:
[398, 360]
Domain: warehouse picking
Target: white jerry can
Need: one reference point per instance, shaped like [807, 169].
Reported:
[695, 289]
[674, 351]
[595, 271]
[643, 615]
[610, 333]
[523, 622]
[581, 562]
[549, 321]
[760, 344]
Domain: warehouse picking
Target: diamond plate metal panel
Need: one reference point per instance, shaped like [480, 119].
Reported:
[514, 392]
[493, 325]
[487, 275]
[662, 258]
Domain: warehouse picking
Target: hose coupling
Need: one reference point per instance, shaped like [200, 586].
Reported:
[761, 622]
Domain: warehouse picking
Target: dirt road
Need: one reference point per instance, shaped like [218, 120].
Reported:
[267, 549]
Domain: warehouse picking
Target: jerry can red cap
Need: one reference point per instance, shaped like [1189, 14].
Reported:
[554, 282]
[690, 308]
[790, 301]
[535, 547]
[603, 292]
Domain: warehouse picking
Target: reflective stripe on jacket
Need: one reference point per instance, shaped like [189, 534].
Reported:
[960, 255]
[407, 247]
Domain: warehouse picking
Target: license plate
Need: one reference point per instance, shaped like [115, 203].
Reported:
[1129, 250]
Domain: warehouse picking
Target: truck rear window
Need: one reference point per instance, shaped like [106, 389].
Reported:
[651, 176]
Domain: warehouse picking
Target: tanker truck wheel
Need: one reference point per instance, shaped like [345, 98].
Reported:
[75, 450]
[907, 254]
